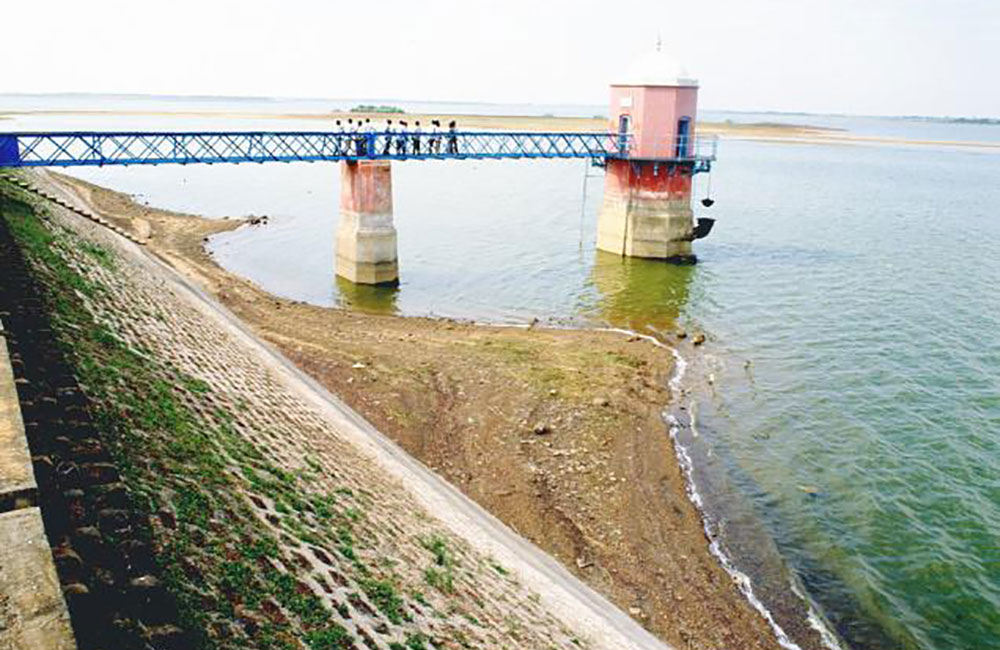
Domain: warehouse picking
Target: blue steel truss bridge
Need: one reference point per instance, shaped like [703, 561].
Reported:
[69, 149]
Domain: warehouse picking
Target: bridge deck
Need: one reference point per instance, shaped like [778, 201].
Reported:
[65, 149]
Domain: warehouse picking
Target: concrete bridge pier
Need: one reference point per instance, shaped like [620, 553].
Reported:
[366, 236]
[647, 211]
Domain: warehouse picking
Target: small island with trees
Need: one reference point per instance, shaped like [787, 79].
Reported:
[370, 108]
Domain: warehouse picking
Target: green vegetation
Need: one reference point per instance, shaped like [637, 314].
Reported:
[441, 579]
[440, 576]
[416, 641]
[626, 359]
[332, 637]
[516, 351]
[413, 642]
[346, 546]
[383, 594]
[194, 385]
[102, 255]
[371, 108]
[437, 545]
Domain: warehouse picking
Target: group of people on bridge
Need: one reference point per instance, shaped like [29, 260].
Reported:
[362, 139]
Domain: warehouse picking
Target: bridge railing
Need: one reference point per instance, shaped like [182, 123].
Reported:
[63, 149]
[125, 148]
[700, 147]
[680, 148]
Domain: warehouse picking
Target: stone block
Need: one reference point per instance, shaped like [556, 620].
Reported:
[18, 488]
[33, 613]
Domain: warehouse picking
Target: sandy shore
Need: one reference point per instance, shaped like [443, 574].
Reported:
[466, 121]
[558, 433]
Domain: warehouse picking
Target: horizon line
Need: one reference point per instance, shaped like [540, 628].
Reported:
[246, 98]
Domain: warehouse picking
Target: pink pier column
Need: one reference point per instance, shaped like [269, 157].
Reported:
[647, 198]
[366, 236]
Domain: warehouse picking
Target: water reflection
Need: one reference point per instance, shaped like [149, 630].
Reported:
[367, 298]
[638, 294]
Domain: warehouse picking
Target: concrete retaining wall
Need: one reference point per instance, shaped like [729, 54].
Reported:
[33, 613]
[17, 479]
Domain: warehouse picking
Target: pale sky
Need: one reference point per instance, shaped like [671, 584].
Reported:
[928, 57]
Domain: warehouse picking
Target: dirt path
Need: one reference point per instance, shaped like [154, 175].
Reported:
[557, 433]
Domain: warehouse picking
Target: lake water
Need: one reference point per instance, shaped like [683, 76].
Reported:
[851, 430]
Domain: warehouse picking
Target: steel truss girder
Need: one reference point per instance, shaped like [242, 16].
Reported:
[65, 149]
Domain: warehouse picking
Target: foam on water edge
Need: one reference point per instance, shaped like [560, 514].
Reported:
[742, 580]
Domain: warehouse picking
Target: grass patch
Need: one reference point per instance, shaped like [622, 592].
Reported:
[238, 580]
[516, 351]
[192, 507]
[298, 599]
[440, 575]
[626, 359]
[384, 596]
[323, 506]
[345, 544]
[441, 579]
[194, 385]
[332, 637]
[439, 548]
[416, 641]
[103, 256]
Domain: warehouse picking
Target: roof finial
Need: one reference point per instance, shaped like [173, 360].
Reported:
[659, 42]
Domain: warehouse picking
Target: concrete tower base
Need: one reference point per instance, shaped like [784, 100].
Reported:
[366, 236]
[647, 211]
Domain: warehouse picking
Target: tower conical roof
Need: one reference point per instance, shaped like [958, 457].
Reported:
[656, 68]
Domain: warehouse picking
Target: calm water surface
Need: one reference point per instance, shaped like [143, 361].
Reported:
[860, 444]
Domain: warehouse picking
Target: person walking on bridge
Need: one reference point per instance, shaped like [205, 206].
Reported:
[435, 143]
[388, 138]
[401, 139]
[361, 137]
[338, 147]
[354, 135]
[348, 137]
[369, 137]
[452, 138]
[416, 138]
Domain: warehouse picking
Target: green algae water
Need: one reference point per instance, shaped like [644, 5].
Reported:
[865, 432]
[845, 412]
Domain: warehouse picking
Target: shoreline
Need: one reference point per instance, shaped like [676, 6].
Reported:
[713, 606]
[799, 614]
[678, 416]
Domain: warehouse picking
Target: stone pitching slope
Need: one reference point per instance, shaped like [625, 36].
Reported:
[278, 531]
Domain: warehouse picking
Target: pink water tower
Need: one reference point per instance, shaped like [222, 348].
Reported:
[647, 192]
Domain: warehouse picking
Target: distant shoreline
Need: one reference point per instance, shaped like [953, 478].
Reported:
[246, 99]
[766, 132]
